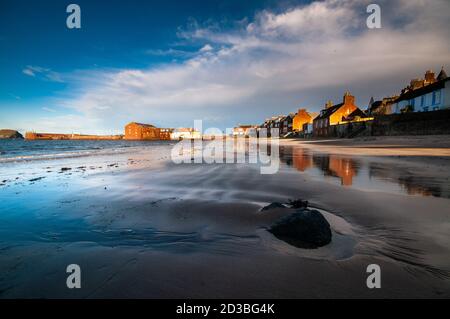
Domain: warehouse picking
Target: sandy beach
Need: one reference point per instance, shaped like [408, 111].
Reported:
[141, 226]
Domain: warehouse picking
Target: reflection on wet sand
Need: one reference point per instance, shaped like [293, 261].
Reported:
[412, 183]
[410, 180]
[333, 165]
[344, 168]
[301, 160]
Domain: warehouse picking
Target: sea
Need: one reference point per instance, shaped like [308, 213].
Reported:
[29, 150]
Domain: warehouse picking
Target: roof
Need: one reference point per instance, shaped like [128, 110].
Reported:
[423, 90]
[245, 126]
[291, 115]
[375, 105]
[184, 129]
[141, 124]
[355, 113]
[328, 112]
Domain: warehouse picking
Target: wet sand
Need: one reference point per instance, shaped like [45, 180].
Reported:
[419, 146]
[140, 226]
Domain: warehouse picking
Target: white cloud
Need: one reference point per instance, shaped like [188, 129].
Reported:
[48, 109]
[302, 56]
[317, 19]
[29, 72]
[43, 73]
[171, 52]
[206, 48]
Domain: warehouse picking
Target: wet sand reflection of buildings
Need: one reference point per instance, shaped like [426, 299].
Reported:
[301, 160]
[346, 169]
[331, 165]
[337, 166]
[413, 184]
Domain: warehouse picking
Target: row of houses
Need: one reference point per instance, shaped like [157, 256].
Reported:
[421, 95]
[316, 124]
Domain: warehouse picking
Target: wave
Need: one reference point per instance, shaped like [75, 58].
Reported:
[63, 155]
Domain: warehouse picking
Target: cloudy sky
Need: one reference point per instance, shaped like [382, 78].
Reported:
[225, 62]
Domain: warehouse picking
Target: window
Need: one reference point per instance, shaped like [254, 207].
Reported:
[437, 97]
[422, 100]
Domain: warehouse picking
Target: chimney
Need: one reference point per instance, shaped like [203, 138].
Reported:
[429, 77]
[349, 99]
[328, 104]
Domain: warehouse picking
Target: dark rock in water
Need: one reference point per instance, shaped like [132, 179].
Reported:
[298, 203]
[65, 169]
[10, 134]
[304, 229]
[273, 206]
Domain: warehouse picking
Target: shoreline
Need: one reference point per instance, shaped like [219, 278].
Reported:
[161, 230]
[429, 145]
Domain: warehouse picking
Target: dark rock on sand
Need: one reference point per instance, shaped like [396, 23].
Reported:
[298, 203]
[304, 229]
[10, 134]
[273, 206]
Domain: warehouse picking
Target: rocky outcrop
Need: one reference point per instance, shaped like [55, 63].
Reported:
[10, 134]
[273, 205]
[296, 203]
[305, 228]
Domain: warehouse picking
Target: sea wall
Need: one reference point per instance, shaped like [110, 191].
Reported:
[51, 136]
[419, 123]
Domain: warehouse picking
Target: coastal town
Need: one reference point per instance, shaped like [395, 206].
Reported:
[226, 157]
[421, 108]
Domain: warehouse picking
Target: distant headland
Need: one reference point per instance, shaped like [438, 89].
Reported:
[10, 134]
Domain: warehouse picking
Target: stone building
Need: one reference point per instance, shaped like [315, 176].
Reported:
[428, 94]
[333, 115]
[139, 131]
[301, 118]
[381, 107]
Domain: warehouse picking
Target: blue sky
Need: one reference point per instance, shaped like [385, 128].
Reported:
[226, 62]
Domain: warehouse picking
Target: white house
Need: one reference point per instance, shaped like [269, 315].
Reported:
[429, 97]
[185, 133]
[244, 130]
